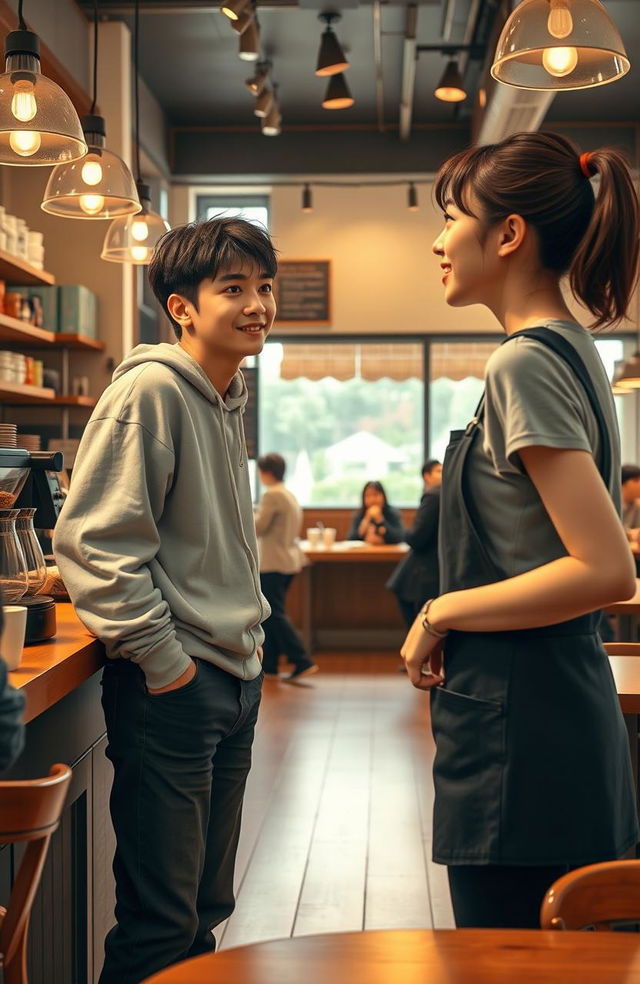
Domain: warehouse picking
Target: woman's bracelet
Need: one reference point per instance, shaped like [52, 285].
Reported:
[426, 624]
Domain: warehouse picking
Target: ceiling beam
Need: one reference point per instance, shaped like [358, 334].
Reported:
[409, 56]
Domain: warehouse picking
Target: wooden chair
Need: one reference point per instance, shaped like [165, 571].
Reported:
[593, 897]
[622, 648]
[29, 811]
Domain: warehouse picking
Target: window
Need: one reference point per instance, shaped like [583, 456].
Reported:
[455, 387]
[342, 414]
[253, 208]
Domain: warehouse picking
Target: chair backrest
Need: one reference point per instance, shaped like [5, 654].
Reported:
[29, 811]
[622, 648]
[593, 897]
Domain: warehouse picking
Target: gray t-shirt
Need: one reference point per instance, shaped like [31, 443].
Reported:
[534, 399]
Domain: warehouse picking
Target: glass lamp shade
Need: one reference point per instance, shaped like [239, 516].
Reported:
[38, 124]
[99, 186]
[559, 44]
[338, 95]
[133, 238]
[331, 57]
[451, 87]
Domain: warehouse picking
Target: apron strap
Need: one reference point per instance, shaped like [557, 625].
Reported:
[558, 344]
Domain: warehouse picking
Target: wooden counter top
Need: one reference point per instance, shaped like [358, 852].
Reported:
[349, 552]
[51, 670]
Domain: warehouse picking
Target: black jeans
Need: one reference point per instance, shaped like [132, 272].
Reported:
[181, 761]
[494, 896]
[280, 636]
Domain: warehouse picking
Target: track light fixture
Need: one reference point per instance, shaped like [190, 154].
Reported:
[264, 102]
[412, 198]
[258, 81]
[272, 122]
[243, 21]
[249, 48]
[451, 86]
[233, 8]
[338, 95]
[331, 57]
[307, 199]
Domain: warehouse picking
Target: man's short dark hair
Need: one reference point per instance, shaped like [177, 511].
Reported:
[629, 472]
[189, 254]
[429, 465]
[274, 464]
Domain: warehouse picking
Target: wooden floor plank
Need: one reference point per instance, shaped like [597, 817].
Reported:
[337, 820]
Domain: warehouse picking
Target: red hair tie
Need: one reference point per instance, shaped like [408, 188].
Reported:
[586, 166]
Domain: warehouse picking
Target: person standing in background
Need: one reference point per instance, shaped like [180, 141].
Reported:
[278, 520]
[415, 579]
[631, 508]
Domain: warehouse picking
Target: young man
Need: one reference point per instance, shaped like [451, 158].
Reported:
[156, 544]
[278, 520]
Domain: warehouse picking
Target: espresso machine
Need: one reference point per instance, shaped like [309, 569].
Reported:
[30, 500]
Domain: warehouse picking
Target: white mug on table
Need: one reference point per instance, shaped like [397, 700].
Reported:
[12, 641]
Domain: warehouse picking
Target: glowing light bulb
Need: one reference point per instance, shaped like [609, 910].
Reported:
[139, 230]
[25, 142]
[140, 253]
[92, 172]
[23, 103]
[91, 204]
[560, 61]
[560, 21]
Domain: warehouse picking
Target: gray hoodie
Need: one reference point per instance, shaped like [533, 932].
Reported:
[156, 541]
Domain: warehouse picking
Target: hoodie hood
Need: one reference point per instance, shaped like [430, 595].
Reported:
[181, 362]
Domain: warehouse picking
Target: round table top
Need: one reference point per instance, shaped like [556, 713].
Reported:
[467, 956]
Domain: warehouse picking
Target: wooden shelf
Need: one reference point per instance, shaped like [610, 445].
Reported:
[20, 333]
[20, 393]
[17, 271]
[74, 401]
[78, 342]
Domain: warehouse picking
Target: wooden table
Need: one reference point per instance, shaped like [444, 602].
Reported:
[352, 594]
[466, 956]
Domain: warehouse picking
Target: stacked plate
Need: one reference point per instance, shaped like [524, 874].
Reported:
[31, 442]
[8, 435]
[13, 367]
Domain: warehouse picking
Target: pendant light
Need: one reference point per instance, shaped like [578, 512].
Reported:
[451, 86]
[133, 238]
[412, 198]
[338, 95]
[617, 387]
[307, 199]
[559, 44]
[249, 47]
[331, 57]
[38, 123]
[100, 186]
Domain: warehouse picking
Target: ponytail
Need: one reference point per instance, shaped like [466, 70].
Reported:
[604, 270]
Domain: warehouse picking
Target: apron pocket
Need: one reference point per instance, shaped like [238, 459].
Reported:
[470, 754]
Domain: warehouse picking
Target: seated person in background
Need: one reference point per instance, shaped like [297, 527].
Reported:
[415, 579]
[11, 709]
[278, 520]
[631, 508]
[376, 522]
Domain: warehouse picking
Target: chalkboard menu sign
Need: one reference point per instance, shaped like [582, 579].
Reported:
[303, 292]
[250, 419]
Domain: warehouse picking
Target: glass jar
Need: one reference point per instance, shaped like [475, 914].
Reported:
[13, 567]
[33, 555]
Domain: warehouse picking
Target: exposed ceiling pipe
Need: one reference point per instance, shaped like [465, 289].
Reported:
[448, 15]
[409, 56]
[377, 60]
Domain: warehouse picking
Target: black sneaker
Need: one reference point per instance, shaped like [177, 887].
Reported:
[301, 671]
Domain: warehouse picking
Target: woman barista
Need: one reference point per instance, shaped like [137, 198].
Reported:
[532, 773]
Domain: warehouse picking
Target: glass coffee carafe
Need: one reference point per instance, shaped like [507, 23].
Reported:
[33, 555]
[13, 566]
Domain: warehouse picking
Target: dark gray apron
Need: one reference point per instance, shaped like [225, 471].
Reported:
[532, 764]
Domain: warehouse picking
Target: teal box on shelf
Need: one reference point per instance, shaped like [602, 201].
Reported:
[49, 301]
[77, 311]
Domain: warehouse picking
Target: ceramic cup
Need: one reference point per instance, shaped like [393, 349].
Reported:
[314, 536]
[12, 641]
[328, 537]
